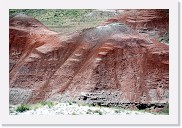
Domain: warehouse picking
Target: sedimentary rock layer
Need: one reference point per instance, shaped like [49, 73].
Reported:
[152, 23]
[110, 63]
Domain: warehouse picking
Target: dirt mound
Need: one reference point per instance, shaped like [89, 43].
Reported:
[100, 33]
[22, 20]
[151, 22]
[106, 64]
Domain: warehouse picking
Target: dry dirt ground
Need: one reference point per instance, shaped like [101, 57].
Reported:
[68, 108]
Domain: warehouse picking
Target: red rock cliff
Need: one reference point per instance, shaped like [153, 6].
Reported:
[112, 63]
[152, 23]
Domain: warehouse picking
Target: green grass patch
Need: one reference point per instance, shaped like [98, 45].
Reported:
[49, 104]
[22, 108]
[63, 20]
[26, 107]
[53, 16]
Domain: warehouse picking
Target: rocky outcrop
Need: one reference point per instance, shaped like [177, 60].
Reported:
[107, 64]
[152, 23]
[35, 54]
[25, 34]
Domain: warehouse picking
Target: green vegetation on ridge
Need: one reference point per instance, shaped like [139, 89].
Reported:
[63, 20]
[52, 16]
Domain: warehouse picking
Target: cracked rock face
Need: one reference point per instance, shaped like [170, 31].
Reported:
[111, 63]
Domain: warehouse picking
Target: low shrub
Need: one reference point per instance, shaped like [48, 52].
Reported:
[69, 102]
[22, 108]
[74, 113]
[98, 111]
[49, 104]
[117, 111]
[43, 103]
[89, 111]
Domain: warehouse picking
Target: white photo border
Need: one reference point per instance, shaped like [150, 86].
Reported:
[171, 119]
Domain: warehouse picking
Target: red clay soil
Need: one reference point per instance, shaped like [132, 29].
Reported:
[149, 22]
[112, 63]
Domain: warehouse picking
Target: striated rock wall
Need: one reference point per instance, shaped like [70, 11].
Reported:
[110, 63]
[152, 23]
